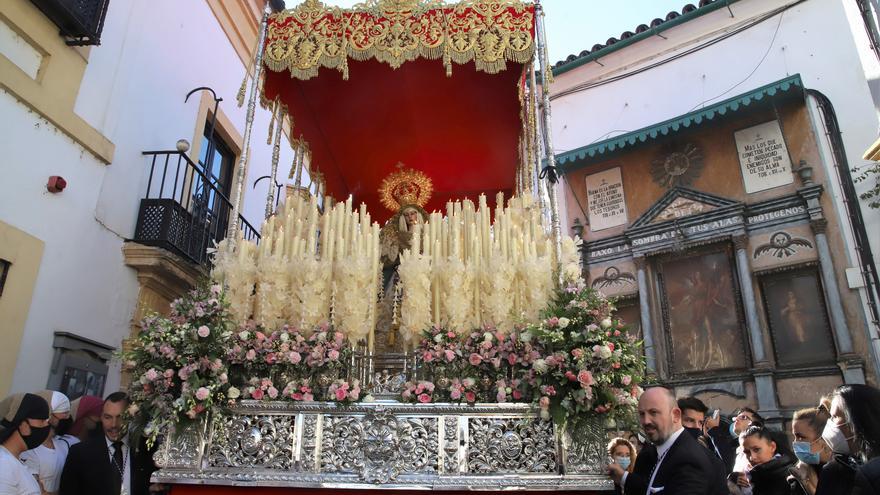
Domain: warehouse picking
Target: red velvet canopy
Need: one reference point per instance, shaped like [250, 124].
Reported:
[461, 130]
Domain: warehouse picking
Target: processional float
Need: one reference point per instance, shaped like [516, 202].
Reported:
[452, 347]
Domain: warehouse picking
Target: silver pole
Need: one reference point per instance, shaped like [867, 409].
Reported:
[238, 189]
[548, 141]
[276, 153]
[540, 190]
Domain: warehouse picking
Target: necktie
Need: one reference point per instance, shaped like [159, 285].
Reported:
[118, 466]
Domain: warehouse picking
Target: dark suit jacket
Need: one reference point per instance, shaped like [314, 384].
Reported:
[725, 443]
[88, 470]
[686, 470]
[867, 480]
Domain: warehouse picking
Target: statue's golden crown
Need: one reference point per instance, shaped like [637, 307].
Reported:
[405, 187]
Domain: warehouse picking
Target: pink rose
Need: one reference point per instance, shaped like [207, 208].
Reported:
[308, 397]
[270, 358]
[553, 321]
[455, 394]
[626, 380]
[577, 353]
[571, 376]
[151, 374]
[470, 396]
[340, 394]
[424, 398]
[294, 357]
[427, 356]
[611, 346]
[273, 392]
[486, 344]
[355, 393]
[585, 378]
[260, 336]
[296, 396]
[517, 395]
[511, 359]
[251, 355]
[257, 394]
[617, 333]
[333, 354]
[169, 373]
[203, 331]
[202, 393]
[475, 359]
[450, 334]
[450, 356]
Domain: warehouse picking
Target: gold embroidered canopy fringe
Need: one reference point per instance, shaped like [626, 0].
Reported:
[488, 32]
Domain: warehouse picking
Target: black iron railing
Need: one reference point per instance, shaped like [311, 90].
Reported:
[79, 20]
[183, 210]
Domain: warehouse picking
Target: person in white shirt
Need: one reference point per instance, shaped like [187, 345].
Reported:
[47, 461]
[24, 426]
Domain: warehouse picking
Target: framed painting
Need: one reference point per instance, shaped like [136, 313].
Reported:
[798, 320]
[702, 315]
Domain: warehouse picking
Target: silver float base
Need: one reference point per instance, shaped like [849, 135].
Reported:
[385, 445]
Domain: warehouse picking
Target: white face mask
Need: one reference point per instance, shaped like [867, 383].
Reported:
[835, 438]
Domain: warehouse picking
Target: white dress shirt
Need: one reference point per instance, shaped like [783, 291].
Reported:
[662, 449]
[126, 460]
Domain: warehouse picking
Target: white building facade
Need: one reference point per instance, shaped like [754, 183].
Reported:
[87, 114]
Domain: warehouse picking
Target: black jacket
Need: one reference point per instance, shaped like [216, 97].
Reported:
[837, 476]
[686, 470]
[771, 478]
[724, 444]
[88, 469]
[867, 480]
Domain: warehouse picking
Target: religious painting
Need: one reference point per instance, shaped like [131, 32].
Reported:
[798, 321]
[701, 312]
[629, 313]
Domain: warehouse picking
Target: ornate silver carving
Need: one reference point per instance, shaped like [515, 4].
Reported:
[451, 464]
[585, 447]
[379, 446]
[511, 445]
[258, 441]
[309, 443]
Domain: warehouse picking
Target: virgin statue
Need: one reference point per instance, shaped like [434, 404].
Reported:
[405, 192]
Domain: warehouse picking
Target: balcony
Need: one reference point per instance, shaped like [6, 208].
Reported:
[81, 21]
[183, 210]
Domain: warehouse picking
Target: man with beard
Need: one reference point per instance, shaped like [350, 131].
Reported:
[674, 463]
[24, 425]
[108, 464]
[47, 460]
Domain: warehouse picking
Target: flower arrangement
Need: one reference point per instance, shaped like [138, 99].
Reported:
[176, 363]
[343, 391]
[420, 391]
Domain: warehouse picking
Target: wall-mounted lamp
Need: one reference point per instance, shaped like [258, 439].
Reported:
[182, 145]
[805, 173]
[578, 228]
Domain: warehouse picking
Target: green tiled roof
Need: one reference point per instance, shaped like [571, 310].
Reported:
[572, 159]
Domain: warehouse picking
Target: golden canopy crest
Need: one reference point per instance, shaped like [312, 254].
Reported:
[405, 187]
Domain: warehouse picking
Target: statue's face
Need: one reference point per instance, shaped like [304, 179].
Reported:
[411, 215]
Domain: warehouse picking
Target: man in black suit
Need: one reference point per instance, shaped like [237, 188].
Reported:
[106, 464]
[675, 463]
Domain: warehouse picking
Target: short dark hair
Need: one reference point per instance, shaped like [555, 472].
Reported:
[117, 397]
[692, 403]
[757, 419]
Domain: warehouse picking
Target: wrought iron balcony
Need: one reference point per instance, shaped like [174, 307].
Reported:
[79, 20]
[183, 210]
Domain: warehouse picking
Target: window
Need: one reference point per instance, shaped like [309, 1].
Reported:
[4, 271]
[211, 189]
[79, 366]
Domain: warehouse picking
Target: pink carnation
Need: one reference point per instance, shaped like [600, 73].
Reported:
[294, 357]
[333, 355]
[204, 331]
[475, 359]
[151, 374]
[273, 392]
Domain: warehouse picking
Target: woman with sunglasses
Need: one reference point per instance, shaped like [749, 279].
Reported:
[811, 450]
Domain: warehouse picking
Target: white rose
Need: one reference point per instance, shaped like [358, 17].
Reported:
[604, 352]
[563, 322]
[369, 398]
[233, 393]
[284, 337]
[243, 335]
[438, 338]
[540, 366]
[488, 336]
[525, 337]
[606, 323]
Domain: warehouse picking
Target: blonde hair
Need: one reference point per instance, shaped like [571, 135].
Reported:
[620, 441]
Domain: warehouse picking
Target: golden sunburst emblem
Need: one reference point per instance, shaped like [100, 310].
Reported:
[405, 187]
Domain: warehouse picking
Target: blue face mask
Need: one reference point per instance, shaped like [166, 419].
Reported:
[623, 461]
[732, 431]
[804, 452]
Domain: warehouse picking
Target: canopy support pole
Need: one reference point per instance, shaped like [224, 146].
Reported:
[549, 157]
[276, 154]
[241, 173]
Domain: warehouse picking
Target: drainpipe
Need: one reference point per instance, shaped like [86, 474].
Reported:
[867, 11]
[854, 215]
